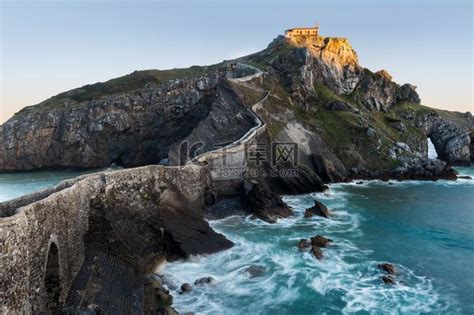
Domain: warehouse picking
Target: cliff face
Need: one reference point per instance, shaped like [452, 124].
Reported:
[131, 124]
[343, 115]
[333, 63]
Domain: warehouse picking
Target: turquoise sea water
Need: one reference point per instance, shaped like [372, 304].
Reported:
[14, 185]
[425, 228]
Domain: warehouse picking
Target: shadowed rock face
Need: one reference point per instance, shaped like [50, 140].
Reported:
[131, 128]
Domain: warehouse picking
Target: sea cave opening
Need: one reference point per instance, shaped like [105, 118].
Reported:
[53, 280]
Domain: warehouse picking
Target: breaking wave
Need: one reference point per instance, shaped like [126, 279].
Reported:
[346, 280]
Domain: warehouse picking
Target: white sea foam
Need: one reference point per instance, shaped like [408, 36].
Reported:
[346, 273]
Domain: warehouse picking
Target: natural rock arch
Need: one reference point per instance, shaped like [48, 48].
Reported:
[52, 280]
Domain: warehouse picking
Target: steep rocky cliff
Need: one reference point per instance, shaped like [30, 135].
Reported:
[345, 118]
[130, 121]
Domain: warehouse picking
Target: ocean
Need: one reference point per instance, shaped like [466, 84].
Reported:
[426, 229]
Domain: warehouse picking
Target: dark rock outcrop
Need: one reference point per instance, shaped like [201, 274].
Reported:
[264, 203]
[318, 209]
[204, 280]
[186, 287]
[158, 300]
[423, 169]
[388, 280]
[317, 252]
[320, 241]
[389, 268]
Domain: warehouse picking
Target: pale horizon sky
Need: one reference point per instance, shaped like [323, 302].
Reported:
[48, 47]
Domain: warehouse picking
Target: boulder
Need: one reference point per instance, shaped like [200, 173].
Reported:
[317, 252]
[264, 203]
[186, 287]
[320, 241]
[318, 209]
[204, 280]
[388, 280]
[389, 268]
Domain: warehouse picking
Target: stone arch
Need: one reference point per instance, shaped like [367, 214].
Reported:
[52, 280]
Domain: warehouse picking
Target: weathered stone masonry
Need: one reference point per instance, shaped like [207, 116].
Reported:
[62, 218]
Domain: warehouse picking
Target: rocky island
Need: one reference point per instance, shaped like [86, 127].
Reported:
[185, 138]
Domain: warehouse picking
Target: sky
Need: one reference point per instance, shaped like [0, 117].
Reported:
[48, 47]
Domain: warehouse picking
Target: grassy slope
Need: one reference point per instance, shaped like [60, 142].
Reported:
[129, 82]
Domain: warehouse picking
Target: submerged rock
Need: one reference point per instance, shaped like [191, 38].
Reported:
[318, 209]
[388, 280]
[304, 244]
[320, 241]
[255, 271]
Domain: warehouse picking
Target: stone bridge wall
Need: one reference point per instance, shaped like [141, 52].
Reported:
[29, 224]
[63, 218]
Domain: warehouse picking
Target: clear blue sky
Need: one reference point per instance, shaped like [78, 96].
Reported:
[51, 46]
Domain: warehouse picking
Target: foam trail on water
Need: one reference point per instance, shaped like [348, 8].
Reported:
[346, 280]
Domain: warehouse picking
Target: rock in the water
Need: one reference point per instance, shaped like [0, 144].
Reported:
[389, 268]
[423, 169]
[318, 209]
[317, 252]
[155, 290]
[255, 271]
[304, 244]
[264, 203]
[186, 287]
[464, 177]
[320, 241]
[388, 280]
[204, 280]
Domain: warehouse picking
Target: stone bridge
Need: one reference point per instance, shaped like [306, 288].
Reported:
[44, 236]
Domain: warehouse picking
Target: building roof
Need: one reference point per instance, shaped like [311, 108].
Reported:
[302, 28]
